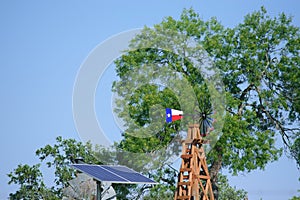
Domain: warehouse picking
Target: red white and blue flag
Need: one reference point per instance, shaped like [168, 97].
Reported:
[173, 115]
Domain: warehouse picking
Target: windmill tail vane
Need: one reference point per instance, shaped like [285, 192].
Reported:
[173, 115]
[205, 121]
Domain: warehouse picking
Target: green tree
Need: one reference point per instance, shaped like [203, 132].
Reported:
[31, 183]
[295, 150]
[58, 158]
[255, 60]
[295, 198]
[60, 155]
[260, 62]
[227, 192]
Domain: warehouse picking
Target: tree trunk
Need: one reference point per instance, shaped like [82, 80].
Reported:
[214, 171]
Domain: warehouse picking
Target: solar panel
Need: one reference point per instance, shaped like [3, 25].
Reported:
[128, 174]
[113, 174]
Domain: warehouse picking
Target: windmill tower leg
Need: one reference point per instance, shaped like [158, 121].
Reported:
[193, 178]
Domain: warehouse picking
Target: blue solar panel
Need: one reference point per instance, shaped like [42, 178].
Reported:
[113, 174]
[98, 173]
[128, 174]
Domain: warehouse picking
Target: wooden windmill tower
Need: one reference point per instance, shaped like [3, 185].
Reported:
[193, 178]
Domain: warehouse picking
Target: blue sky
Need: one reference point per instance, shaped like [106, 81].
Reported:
[43, 44]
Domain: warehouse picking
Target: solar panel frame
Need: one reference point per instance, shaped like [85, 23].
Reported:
[113, 174]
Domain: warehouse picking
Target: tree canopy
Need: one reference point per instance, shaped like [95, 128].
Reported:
[258, 63]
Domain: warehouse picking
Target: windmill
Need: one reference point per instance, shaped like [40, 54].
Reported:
[193, 177]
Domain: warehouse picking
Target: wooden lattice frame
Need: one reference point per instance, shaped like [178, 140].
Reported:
[193, 178]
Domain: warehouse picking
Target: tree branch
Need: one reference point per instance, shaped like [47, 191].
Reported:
[243, 97]
[277, 123]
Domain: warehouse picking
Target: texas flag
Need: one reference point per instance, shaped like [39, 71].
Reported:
[173, 115]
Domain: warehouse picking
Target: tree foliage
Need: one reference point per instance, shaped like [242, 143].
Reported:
[30, 180]
[227, 192]
[58, 157]
[259, 65]
[260, 62]
[295, 198]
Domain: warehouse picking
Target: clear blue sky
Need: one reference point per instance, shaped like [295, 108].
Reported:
[43, 44]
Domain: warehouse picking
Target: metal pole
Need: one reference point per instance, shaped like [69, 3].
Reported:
[99, 190]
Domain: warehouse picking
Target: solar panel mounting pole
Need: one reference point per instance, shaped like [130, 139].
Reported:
[99, 190]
